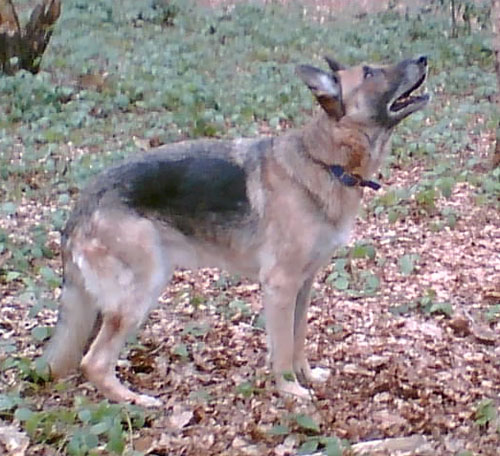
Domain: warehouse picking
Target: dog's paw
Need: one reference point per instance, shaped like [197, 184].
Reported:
[293, 388]
[306, 374]
[318, 375]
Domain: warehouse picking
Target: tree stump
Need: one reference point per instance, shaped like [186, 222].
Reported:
[23, 48]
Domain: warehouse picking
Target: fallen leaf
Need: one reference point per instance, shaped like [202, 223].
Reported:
[180, 417]
[15, 442]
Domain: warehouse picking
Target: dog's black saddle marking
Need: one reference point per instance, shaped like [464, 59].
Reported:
[189, 192]
[188, 186]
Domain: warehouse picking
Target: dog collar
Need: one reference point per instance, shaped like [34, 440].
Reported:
[352, 180]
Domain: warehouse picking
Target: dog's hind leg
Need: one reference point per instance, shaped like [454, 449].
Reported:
[123, 266]
[77, 316]
[100, 361]
[300, 363]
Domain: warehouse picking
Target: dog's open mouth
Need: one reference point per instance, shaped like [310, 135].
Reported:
[407, 99]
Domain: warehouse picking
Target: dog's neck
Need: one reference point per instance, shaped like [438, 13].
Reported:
[318, 148]
[358, 150]
[379, 140]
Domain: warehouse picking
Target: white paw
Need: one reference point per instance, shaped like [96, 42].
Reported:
[307, 375]
[294, 388]
[319, 375]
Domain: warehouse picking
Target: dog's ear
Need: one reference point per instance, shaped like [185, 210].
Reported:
[333, 64]
[325, 87]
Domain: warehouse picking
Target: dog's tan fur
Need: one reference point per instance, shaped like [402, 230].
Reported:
[277, 216]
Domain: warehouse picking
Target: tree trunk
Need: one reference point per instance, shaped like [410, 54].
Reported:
[454, 31]
[495, 20]
[23, 49]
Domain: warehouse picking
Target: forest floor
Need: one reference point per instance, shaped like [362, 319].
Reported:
[407, 318]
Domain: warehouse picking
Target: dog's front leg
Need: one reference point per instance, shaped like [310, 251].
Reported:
[279, 295]
[300, 363]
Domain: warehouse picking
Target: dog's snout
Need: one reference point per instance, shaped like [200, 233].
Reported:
[422, 60]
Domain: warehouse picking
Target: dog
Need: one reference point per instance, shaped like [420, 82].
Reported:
[273, 209]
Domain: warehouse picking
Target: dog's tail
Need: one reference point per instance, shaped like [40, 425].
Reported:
[74, 330]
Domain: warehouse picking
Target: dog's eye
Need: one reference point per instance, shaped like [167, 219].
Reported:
[368, 72]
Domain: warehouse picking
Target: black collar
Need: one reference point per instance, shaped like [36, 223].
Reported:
[352, 180]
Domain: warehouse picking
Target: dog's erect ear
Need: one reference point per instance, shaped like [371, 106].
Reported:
[333, 64]
[325, 87]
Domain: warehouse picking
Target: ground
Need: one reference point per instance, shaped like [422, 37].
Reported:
[406, 317]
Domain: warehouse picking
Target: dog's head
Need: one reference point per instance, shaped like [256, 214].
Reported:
[368, 95]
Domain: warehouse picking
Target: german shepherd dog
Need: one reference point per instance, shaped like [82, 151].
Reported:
[273, 209]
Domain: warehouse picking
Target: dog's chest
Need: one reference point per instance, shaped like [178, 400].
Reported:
[329, 237]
